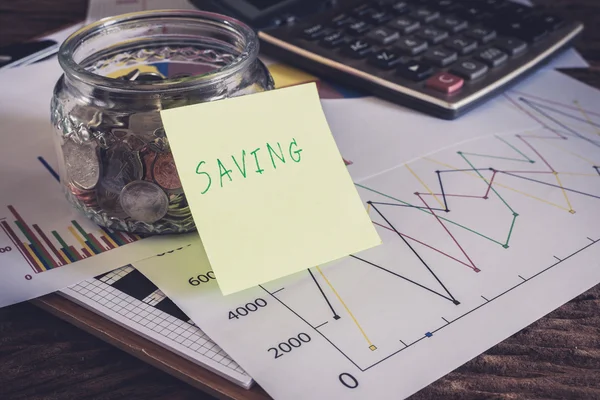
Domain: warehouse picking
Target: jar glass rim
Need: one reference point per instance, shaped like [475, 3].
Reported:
[73, 69]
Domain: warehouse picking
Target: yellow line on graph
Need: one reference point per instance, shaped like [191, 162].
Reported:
[570, 152]
[345, 306]
[80, 240]
[64, 256]
[37, 260]
[108, 238]
[587, 117]
[500, 185]
[564, 193]
[425, 186]
[368, 208]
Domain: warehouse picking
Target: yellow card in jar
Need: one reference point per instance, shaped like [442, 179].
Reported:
[267, 187]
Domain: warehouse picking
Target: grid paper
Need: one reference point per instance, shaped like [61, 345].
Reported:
[101, 296]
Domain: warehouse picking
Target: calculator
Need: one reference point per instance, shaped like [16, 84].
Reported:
[440, 57]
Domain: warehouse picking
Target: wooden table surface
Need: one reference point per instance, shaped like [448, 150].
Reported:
[43, 357]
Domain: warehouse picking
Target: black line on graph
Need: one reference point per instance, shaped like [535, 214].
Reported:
[550, 184]
[335, 315]
[480, 306]
[591, 239]
[442, 189]
[318, 326]
[597, 169]
[566, 114]
[484, 298]
[522, 278]
[557, 258]
[420, 259]
[307, 323]
[445, 320]
[403, 343]
[278, 290]
[406, 279]
[579, 135]
[406, 205]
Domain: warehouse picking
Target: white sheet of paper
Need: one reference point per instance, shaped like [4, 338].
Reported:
[28, 186]
[98, 9]
[519, 240]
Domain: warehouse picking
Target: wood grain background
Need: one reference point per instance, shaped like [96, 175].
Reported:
[42, 357]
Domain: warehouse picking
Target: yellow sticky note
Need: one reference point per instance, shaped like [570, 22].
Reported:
[267, 186]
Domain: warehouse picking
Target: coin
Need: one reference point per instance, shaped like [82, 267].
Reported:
[165, 172]
[82, 164]
[144, 201]
[121, 166]
[148, 157]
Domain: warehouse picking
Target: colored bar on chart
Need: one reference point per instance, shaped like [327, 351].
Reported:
[86, 237]
[96, 242]
[80, 240]
[65, 247]
[40, 264]
[86, 252]
[123, 237]
[32, 238]
[75, 253]
[20, 245]
[92, 247]
[49, 243]
[39, 251]
[108, 242]
[114, 237]
[67, 255]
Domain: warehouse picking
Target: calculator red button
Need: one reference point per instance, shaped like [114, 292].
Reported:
[445, 82]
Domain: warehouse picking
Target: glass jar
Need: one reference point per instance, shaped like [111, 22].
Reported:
[115, 162]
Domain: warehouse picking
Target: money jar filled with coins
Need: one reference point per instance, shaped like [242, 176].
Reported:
[115, 162]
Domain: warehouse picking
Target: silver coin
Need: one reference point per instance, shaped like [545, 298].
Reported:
[121, 165]
[82, 164]
[144, 201]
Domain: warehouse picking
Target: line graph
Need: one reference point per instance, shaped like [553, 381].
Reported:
[450, 192]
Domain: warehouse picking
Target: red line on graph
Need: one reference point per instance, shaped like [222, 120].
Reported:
[452, 195]
[536, 152]
[426, 245]
[49, 243]
[15, 239]
[556, 103]
[87, 253]
[108, 243]
[76, 253]
[446, 229]
[490, 185]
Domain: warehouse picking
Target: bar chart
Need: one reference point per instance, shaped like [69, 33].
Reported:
[45, 250]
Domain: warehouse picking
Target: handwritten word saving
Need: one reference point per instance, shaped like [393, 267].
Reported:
[275, 155]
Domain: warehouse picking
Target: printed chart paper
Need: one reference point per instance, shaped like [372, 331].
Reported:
[45, 244]
[479, 240]
[268, 189]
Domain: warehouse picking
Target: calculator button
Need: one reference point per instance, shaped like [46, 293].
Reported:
[512, 46]
[445, 82]
[469, 69]
[472, 13]
[405, 25]
[399, 7]
[357, 48]
[493, 57]
[363, 9]
[415, 70]
[411, 45]
[462, 45]
[342, 20]
[440, 57]
[313, 32]
[524, 30]
[452, 24]
[481, 34]
[359, 27]
[550, 22]
[492, 5]
[386, 59]
[379, 17]
[432, 35]
[442, 4]
[333, 39]
[383, 36]
[425, 15]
